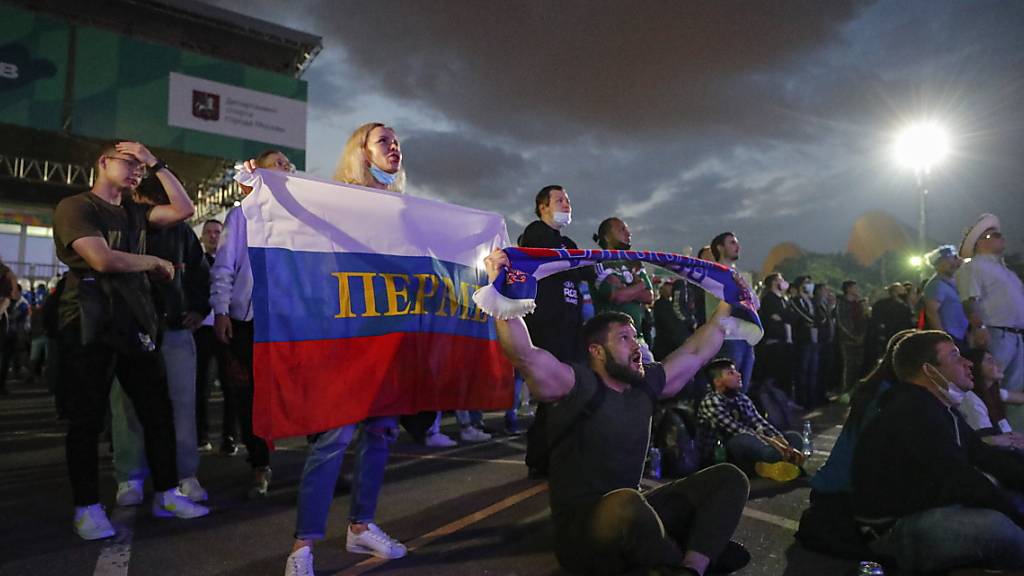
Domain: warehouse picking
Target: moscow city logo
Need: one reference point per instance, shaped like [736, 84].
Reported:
[206, 105]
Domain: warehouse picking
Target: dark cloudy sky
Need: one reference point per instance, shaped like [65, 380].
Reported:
[771, 119]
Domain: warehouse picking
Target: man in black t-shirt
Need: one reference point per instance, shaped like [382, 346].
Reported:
[556, 322]
[108, 325]
[603, 524]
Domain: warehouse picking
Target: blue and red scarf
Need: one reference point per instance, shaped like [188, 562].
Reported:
[513, 292]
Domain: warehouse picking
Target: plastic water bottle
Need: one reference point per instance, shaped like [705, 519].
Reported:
[870, 569]
[808, 446]
[720, 453]
[654, 466]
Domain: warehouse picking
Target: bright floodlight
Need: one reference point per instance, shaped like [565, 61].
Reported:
[921, 146]
[916, 261]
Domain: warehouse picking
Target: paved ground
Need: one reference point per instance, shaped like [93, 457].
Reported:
[465, 510]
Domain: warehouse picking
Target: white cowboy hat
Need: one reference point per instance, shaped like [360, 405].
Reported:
[985, 222]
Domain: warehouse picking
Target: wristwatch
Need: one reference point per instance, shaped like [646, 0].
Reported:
[160, 165]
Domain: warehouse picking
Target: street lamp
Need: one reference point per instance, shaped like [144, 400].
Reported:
[920, 147]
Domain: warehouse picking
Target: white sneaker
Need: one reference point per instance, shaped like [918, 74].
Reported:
[129, 493]
[439, 440]
[300, 563]
[374, 541]
[174, 503]
[473, 434]
[191, 489]
[91, 522]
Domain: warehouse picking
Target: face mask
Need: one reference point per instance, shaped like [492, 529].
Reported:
[951, 391]
[809, 288]
[783, 285]
[562, 219]
[385, 178]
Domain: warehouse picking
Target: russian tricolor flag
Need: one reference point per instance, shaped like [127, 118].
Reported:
[362, 303]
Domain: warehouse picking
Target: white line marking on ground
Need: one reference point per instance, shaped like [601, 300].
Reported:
[450, 528]
[449, 453]
[454, 458]
[115, 555]
[780, 521]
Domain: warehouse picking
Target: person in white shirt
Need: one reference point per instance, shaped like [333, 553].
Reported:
[993, 298]
[984, 407]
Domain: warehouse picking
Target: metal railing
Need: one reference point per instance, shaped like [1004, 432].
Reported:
[47, 171]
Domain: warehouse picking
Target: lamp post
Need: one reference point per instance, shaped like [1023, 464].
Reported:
[920, 147]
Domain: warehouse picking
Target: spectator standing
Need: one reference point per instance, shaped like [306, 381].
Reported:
[825, 319]
[943, 307]
[108, 325]
[774, 351]
[993, 298]
[622, 286]
[805, 343]
[851, 328]
[725, 249]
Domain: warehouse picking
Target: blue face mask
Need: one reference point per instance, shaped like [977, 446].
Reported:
[385, 178]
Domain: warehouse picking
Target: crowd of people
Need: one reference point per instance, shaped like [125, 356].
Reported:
[934, 382]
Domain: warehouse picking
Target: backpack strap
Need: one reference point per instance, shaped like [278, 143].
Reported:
[592, 405]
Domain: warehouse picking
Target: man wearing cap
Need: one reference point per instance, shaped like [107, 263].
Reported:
[943, 309]
[993, 298]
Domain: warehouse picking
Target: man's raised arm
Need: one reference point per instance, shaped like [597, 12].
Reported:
[682, 364]
[546, 377]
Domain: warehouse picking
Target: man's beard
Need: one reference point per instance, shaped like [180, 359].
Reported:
[622, 372]
[620, 246]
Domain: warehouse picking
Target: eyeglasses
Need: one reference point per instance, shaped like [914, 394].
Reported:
[991, 235]
[133, 165]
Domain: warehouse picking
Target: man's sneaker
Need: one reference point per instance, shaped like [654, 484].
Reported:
[174, 503]
[439, 440]
[778, 471]
[732, 558]
[260, 482]
[374, 541]
[228, 447]
[191, 488]
[91, 522]
[473, 434]
[300, 563]
[129, 493]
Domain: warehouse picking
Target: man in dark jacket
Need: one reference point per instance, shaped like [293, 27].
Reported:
[182, 304]
[922, 479]
[556, 324]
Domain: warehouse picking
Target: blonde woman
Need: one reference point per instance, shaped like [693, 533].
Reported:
[373, 158]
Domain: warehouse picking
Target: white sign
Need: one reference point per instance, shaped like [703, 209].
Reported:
[228, 110]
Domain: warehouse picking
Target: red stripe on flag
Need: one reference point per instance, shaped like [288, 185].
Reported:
[316, 385]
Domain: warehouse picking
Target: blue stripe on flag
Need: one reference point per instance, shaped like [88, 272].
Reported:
[321, 295]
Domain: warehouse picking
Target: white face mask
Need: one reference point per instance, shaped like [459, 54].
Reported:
[951, 391]
[809, 288]
[783, 285]
[562, 219]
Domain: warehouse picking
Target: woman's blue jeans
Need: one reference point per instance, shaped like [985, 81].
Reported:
[323, 464]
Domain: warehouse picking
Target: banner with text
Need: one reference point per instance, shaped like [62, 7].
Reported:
[362, 303]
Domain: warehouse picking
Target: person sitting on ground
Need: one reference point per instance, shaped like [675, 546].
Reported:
[984, 407]
[728, 416]
[834, 475]
[921, 490]
[603, 524]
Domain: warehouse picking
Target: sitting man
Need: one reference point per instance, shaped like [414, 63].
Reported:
[728, 416]
[599, 420]
[923, 489]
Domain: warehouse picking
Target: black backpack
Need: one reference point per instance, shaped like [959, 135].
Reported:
[774, 405]
[674, 434]
[827, 526]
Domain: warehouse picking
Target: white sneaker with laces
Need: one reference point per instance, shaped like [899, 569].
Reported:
[300, 563]
[91, 522]
[439, 440]
[374, 541]
[174, 503]
[129, 493]
[192, 489]
[473, 434]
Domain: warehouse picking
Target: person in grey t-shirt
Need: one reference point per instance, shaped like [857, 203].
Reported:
[603, 524]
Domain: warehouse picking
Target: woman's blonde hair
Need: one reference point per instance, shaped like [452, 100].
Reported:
[263, 160]
[353, 166]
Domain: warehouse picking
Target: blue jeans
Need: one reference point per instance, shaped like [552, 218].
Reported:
[742, 355]
[940, 539]
[511, 417]
[179, 354]
[319, 475]
[807, 391]
[1008, 349]
[745, 450]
